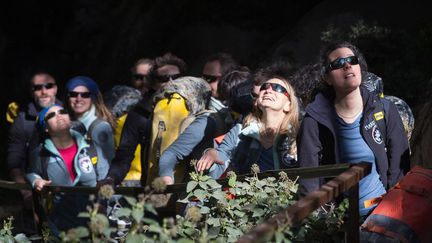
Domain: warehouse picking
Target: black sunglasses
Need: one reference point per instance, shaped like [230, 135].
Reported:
[275, 87]
[54, 113]
[166, 78]
[340, 62]
[140, 77]
[37, 87]
[210, 78]
[83, 95]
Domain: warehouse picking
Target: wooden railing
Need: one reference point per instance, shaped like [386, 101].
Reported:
[346, 179]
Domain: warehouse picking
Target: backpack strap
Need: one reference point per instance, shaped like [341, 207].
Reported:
[44, 157]
[91, 127]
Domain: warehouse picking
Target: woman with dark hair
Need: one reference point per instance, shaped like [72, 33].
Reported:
[64, 159]
[85, 103]
[346, 123]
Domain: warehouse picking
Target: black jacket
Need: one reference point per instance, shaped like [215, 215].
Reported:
[136, 130]
[317, 141]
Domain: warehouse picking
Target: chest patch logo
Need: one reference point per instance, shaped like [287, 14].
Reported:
[376, 135]
[370, 125]
[379, 115]
[85, 164]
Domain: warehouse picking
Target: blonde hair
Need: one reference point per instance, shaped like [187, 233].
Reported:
[290, 124]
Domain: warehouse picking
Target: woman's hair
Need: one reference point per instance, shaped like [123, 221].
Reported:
[290, 123]
[102, 111]
[325, 52]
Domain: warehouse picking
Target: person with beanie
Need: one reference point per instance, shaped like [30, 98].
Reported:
[64, 159]
[85, 103]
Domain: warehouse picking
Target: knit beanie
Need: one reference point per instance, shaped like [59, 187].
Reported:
[85, 81]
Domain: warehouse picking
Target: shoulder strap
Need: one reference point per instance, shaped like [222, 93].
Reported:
[92, 153]
[92, 126]
[44, 157]
[382, 120]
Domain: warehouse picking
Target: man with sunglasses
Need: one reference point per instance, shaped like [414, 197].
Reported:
[215, 66]
[136, 129]
[23, 136]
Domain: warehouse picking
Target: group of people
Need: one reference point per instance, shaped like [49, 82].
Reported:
[275, 117]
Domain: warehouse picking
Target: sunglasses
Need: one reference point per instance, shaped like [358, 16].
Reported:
[166, 78]
[210, 78]
[340, 62]
[83, 95]
[37, 87]
[275, 87]
[140, 77]
[54, 113]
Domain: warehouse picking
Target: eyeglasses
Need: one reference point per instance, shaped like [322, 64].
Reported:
[340, 62]
[166, 78]
[54, 113]
[210, 78]
[37, 87]
[140, 77]
[275, 87]
[83, 95]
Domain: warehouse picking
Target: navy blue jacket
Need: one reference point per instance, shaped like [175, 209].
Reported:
[317, 140]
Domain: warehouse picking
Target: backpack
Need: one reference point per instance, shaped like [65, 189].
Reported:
[405, 211]
[176, 106]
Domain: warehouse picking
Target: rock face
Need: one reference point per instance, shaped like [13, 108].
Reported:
[421, 142]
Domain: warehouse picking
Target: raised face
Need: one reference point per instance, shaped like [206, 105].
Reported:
[274, 95]
[212, 74]
[57, 120]
[140, 78]
[80, 100]
[345, 76]
[44, 90]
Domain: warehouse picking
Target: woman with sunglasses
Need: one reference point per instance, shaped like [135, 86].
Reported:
[266, 135]
[342, 126]
[85, 103]
[64, 159]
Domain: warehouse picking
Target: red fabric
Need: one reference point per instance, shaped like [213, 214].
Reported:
[410, 201]
[68, 155]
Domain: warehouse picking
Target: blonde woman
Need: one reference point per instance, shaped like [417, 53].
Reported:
[267, 135]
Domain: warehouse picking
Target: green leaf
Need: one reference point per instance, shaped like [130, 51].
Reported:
[135, 238]
[215, 222]
[82, 231]
[239, 213]
[258, 212]
[21, 238]
[155, 229]
[191, 185]
[213, 184]
[219, 195]
[232, 181]
[123, 212]
[200, 194]
[203, 185]
[84, 215]
[150, 221]
[183, 240]
[205, 210]
[233, 232]
[150, 208]
[131, 200]
[137, 214]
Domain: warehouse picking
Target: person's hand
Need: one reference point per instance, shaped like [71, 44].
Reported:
[168, 180]
[40, 183]
[207, 160]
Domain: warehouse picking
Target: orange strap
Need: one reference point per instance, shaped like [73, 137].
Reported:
[372, 201]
